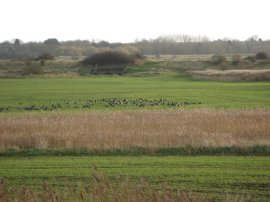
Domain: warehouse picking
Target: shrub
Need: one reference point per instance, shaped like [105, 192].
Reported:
[111, 61]
[45, 56]
[31, 68]
[262, 56]
[42, 63]
[108, 58]
[250, 58]
[218, 60]
[236, 60]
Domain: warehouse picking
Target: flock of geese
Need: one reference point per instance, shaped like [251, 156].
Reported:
[104, 102]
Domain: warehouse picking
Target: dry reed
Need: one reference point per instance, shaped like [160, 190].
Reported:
[150, 129]
[233, 75]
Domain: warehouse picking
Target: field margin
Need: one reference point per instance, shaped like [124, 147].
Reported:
[257, 150]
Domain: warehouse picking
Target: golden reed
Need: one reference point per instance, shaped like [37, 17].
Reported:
[123, 129]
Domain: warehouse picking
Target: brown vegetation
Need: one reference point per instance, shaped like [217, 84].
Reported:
[250, 58]
[182, 58]
[52, 68]
[151, 129]
[233, 75]
[218, 59]
[31, 68]
[45, 56]
[236, 60]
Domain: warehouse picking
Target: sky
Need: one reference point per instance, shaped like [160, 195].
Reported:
[128, 20]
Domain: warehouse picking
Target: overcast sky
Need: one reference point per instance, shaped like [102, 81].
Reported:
[127, 20]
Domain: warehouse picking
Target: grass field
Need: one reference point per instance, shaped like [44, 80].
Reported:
[212, 177]
[20, 94]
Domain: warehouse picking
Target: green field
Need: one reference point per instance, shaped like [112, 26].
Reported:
[211, 177]
[20, 93]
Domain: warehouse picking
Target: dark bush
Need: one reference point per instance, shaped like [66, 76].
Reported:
[45, 56]
[218, 60]
[109, 58]
[42, 63]
[262, 56]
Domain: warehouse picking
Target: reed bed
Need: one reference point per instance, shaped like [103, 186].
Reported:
[124, 129]
[233, 75]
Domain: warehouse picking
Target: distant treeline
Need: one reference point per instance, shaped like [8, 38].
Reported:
[171, 44]
[185, 44]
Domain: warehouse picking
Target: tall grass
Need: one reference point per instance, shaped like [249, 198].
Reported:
[233, 75]
[125, 129]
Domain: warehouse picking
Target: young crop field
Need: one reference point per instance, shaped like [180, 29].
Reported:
[213, 178]
[210, 177]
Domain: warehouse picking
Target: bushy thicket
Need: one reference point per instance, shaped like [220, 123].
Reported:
[262, 56]
[218, 59]
[236, 60]
[250, 58]
[45, 56]
[32, 68]
[112, 57]
[107, 58]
